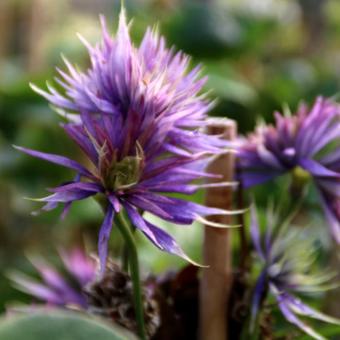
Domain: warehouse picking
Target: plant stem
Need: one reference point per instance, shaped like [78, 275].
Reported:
[126, 232]
[125, 258]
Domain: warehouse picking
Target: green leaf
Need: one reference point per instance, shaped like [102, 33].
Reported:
[59, 325]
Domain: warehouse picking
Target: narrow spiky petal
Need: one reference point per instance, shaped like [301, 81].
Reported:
[57, 288]
[308, 140]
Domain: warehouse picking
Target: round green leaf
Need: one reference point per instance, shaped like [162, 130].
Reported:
[59, 325]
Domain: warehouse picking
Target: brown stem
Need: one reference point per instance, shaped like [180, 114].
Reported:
[216, 280]
[244, 247]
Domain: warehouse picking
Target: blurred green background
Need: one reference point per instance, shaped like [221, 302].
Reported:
[258, 54]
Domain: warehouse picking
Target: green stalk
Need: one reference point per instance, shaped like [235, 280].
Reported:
[126, 232]
[125, 258]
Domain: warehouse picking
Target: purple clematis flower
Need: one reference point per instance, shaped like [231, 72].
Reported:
[138, 116]
[60, 289]
[287, 258]
[307, 143]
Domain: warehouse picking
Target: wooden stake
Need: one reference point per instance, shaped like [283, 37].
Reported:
[217, 253]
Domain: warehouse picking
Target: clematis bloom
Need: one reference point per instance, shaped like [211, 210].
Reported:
[307, 145]
[138, 115]
[60, 288]
[287, 258]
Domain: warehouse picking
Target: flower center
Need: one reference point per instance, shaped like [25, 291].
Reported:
[300, 175]
[300, 181]
[123, 174]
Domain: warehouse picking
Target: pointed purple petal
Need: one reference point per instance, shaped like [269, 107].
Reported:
[292, 318]
[54, 280]
[79, 265]
[166, 243]
[36, 289]
[60, 160]
[255, 232]
[115, 202]
[157, 236]
[317, 169]
[299, 307]
[104, 235]
[146, 205]
[250, 179]
[72, 192]
[84, 186]
[331, 214]
[177, 210]
[257, 297]
[78, 135]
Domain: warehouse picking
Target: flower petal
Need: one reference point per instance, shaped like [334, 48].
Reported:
[181, 211]
[299, 307]
[104, 235]
[317, 169]
[40, 291]
[259, 291]
[331, 215]
[60, 160]
[54, 280]
[71, 192]
[292, 318]
[157, 236]
[255, 232]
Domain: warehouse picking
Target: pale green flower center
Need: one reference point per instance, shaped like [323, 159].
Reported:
[301, 177]
[123, 174]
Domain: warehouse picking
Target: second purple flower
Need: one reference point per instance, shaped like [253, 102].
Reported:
[306, 145]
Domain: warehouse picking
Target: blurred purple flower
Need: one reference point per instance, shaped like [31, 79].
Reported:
[287, 257]
[307, 144]
[59, 288]
[138, 116]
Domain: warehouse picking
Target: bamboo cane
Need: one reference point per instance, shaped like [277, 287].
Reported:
[217, 253]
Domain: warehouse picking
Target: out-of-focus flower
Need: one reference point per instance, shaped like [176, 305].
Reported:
[111, 297]
[287, 258]
[308, 145]
[139, 118]
[60, 288]
[78, 285]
